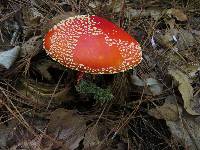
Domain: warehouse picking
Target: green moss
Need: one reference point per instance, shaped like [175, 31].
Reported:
[99, 94]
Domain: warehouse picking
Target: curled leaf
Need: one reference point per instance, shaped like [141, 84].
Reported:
[7, 58]
[185, 89]
[187, 131]
[178, 14]
[169, 111]
[154, 86]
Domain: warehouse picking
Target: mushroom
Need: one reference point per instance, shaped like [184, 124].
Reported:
[92, 44]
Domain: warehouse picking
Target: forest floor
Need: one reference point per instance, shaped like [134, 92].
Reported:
[154, 106]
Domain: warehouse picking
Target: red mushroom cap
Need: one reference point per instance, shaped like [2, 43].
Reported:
[92, 44]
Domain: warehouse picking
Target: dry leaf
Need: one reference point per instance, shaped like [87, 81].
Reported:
[31, 16]
[181, 39]
[154, 86]
[95, 139]
[185, 89]
[7, 58]
[17, 137]
[185, 39]
[178, 14]
[91, 137]
[31, 47]
[168, 111]
[137, 81]
[191, 69]
[6, 133]
[187, 130]
[67, 126]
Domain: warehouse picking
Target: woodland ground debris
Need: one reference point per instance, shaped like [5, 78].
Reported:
[154, 106]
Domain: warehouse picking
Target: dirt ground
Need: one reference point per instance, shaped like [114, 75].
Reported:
[153, 106]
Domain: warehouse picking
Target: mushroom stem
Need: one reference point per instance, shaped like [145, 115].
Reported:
[79, 76]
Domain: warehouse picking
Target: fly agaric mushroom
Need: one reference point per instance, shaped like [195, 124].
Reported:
[92, 44]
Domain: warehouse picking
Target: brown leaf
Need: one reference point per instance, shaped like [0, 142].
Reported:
[67, 126]
[185, 89]
[187, 131]
[31, 47]
[168, 111]
[91, 137]
[31, 16]
[178, 14]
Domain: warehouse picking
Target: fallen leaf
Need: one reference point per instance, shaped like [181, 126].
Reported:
[165, 39]
[185, 89]
[169, 111]
[31, 16]
[7, 58]
[185, 38]
[183, 127]
[181, 39]
[191, 69]
[196, 107]
[154, 86]
[187, 131]
[91, 137]
[137, 81]
[178, 14]
[16, 136]
[67, 126]
[31, 47]
[6, 133]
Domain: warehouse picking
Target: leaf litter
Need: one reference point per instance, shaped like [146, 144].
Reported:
[154, 106]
